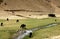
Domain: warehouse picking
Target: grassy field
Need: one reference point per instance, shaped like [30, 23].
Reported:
[10, 27]
[46, 33]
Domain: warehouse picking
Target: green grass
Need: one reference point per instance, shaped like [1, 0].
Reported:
[4, 35]
[10, 27]
[46, 33]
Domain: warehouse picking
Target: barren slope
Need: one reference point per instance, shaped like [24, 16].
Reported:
[34, 5]
[31, 6]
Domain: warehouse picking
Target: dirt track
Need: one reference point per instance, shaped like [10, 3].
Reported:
[16, 17]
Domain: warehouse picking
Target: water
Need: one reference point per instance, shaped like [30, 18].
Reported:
[26, 32]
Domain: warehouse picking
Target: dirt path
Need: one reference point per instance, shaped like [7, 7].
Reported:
[11, 17]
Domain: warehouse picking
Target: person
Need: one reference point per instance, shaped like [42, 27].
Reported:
[30, 34]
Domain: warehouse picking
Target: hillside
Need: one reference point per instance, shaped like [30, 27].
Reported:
[28, 7]
[34, 5]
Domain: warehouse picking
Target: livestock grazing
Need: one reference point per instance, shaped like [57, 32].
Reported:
[7, 19]
[1, 24]
[17, 20]
[51, 15]
[23, 26]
